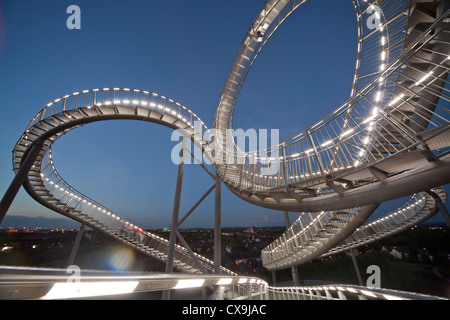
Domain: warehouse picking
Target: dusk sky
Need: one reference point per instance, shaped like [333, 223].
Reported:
[182, 50]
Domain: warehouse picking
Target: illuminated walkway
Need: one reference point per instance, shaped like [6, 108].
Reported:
[390, 139]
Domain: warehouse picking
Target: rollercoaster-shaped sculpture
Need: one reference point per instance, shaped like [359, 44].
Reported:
[390, 139]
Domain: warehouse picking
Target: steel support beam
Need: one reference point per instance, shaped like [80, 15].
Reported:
[20, 178]
[76, 245]
[197, 204]
[186, 245]
[355, 264]
[294, 270]
[175, 214]
[441, 206]
[217, 228]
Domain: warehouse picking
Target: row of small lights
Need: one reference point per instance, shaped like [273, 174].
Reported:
[304, 229]
[397, 213]
[69, 290]
[337, 288]
[387, 217]
[134, 102]
[100, 209]
[378, 96]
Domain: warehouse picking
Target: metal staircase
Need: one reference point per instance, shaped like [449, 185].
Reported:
[390, 139]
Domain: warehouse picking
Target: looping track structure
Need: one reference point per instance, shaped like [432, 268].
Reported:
[390, 139]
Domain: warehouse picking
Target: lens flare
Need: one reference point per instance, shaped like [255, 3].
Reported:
[122, 260]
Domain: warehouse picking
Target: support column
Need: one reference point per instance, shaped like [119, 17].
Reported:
[355, 264]
[175, 213]
[76, 245]
[294, 270]
[441, 206]
[217, 228]
[19, 179]
[295, 277]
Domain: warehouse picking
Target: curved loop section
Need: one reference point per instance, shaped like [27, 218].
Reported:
[397, 121]
[418, 209]
[313, 234]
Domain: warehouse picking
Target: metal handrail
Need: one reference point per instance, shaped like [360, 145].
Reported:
[20, 283]
[336, 146]
[307, 229]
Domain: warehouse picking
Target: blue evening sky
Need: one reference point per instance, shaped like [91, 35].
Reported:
[177, 48]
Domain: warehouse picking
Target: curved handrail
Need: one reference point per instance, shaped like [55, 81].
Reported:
[418, 209]
[53, 284]
[341, 142]
[310, 231]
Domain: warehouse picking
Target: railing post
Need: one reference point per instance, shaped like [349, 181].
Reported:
[294, 270]
[286, 175]
[319, 161]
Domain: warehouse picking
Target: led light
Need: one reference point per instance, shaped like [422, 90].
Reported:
[368, 293]
[389, 297]
[224, 281]
[242, 280]
[424, 78]
[346, 133]
[396, 100]
[69, 290]
[327, 143]
[182, 284]
[378, 97]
